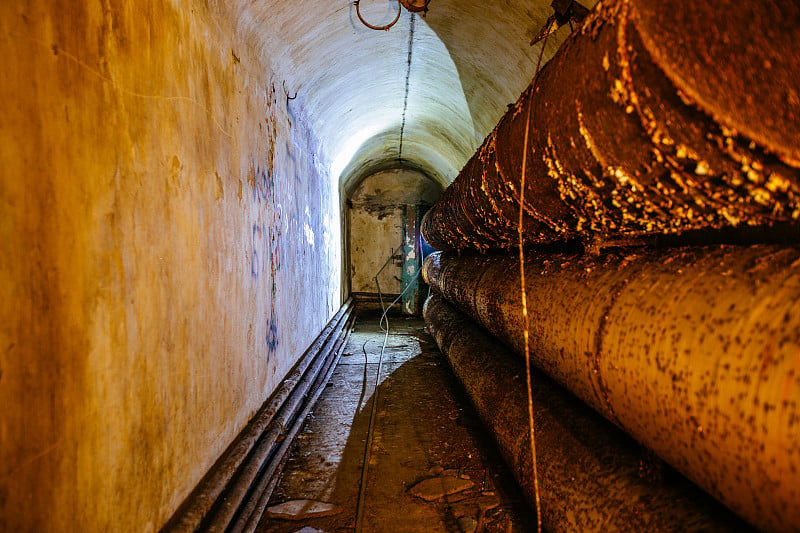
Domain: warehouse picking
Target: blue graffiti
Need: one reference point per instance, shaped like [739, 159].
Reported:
[266, 250]
[266, 247]
[259, 244]
[272, 332]
[264, 186]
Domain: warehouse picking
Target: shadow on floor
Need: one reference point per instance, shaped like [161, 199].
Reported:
[423, 428]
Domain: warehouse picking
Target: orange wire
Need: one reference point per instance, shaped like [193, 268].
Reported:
[523, 294]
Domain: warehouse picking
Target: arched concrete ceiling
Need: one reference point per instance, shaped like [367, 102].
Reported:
[423, 94]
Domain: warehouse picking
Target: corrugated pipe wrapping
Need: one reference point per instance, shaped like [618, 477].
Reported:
[653, 118]
[591, 475]
[693, 352]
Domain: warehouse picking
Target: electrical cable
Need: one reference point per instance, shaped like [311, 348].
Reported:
[524, 297]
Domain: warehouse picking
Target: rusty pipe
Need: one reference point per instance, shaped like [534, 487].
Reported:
[592, 476]
[653, 118]
[694, 352]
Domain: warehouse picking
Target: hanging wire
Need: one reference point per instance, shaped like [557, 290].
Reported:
[372, 26]
[523, 292]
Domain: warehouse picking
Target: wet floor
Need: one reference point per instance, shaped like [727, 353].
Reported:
[430, 467]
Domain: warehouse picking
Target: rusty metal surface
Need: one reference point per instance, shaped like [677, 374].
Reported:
[735, 60]
[694, 352]
[628, 139]
[591, 474]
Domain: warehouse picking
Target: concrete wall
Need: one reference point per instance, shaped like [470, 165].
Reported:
[169, 245]
[376, 225]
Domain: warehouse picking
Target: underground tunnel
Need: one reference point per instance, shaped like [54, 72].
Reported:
[415, 265]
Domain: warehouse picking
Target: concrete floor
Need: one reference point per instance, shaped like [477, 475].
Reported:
[426, 441]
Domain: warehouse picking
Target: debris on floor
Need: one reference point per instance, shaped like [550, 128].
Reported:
[437, 487]
[431, 467]
[467, 524]
[302, 509]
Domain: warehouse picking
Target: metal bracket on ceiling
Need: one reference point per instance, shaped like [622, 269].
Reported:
[564, 12]
[416, 6]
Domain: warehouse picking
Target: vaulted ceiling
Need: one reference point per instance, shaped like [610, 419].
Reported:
[422, 94]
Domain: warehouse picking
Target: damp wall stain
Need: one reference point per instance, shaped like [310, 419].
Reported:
[156, 283]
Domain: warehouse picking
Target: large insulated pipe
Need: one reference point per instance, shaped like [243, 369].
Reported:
[693, 352]
[591, 475]
[653, 118]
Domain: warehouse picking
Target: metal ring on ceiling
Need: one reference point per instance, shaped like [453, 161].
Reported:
[373, 27]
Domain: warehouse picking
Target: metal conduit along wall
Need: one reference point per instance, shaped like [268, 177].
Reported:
[590, 472]
[693, 352]
[654, 117]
